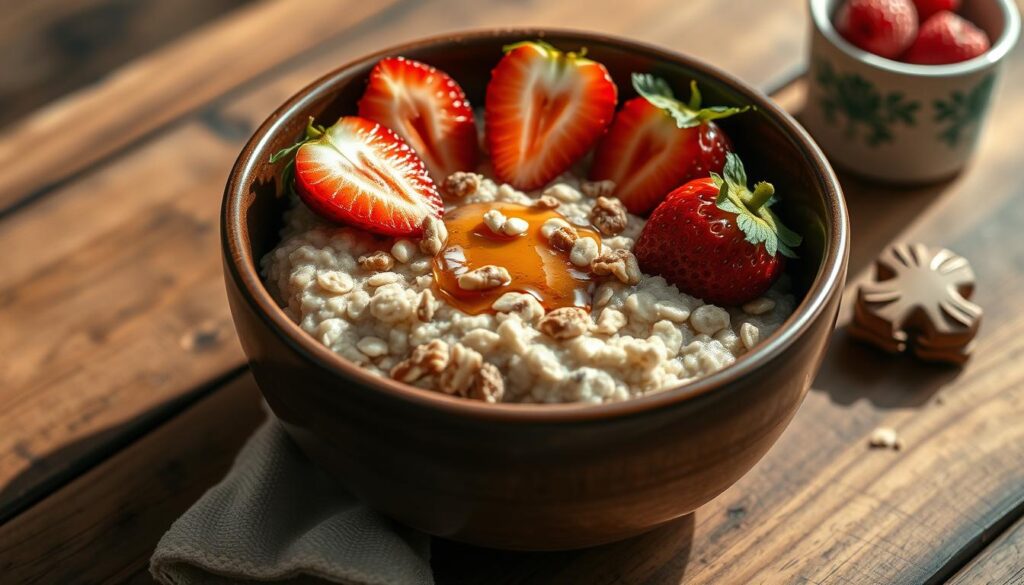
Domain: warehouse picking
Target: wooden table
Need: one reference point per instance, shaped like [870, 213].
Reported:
[124, 394]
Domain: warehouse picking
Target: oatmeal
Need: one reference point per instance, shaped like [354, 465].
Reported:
[376, 301]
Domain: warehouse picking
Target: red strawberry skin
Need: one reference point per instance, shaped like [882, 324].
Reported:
[926, 8]
[698, 247]
[362, 174]
[883, 27]
[543, 111]
[428, 109]
[947, 38]
[647, 155]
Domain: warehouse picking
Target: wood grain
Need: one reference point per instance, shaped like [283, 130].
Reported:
[51, 47]
[136, 291]
[103, 526]
[126, 258]
[157, 88]
[1001, 563]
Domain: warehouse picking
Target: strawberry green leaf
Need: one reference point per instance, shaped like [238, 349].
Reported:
[754, 216]
[312, 132]
[657, 91]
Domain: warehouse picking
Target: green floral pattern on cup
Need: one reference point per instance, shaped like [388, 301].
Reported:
[962, 112]
[862, 105]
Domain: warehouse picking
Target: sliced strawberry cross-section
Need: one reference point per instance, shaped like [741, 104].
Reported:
[543, 110]
[428, 109]
[657, 143]
[360, 173]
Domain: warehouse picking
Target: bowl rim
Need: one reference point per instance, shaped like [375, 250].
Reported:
[822, 22]
[243, 269]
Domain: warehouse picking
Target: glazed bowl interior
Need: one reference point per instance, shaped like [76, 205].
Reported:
[772, 146]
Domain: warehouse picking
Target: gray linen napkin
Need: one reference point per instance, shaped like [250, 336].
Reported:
[275, 517]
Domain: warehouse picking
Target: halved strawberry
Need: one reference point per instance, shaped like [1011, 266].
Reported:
[360, 173]
[657, 143]
[428, 109]
[543, 110]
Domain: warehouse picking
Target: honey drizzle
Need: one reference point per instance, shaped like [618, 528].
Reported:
[536, 268]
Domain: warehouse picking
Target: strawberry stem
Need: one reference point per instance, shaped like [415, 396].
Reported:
[763, 192]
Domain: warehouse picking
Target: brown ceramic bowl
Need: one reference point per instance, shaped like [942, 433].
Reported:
[537, 476]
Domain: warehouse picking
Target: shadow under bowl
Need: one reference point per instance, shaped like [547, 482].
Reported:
[537, 477]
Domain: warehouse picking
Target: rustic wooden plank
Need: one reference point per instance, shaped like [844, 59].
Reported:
[103, 526]
[161, 86]
[1001, 563]
[51, 47]
[126, 257]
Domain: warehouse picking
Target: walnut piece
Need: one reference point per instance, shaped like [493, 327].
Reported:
[463, 366]
[425, 306]
[426, 359]
[620, 263]
[488, 385]
[377, 262]
[564, 323]
[461, 184]
[609, 216]
[484, 278]
[598, 188]
[435, 236]
[546, 202]
[563, 238]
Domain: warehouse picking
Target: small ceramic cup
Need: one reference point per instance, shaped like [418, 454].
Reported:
[897, 122]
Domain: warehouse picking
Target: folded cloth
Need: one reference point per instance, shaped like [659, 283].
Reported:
[275, 517]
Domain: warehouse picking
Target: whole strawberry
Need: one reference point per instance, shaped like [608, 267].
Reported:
[716, 240]
[947, 38]
[883, 27]
[926, 8]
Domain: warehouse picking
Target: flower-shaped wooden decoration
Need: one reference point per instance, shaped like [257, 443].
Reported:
[920, 299]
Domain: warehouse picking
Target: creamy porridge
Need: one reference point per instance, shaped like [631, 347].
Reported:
[374, 301]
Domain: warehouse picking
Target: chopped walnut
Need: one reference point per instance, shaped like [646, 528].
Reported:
[463, 367]
[426, 359]
[484, 278]
[435, 235]
[461, 184]
[598, 188]
[377, 262]
[564, 323]
[553, 224]
[546, 202]
[425, 306]
[609, 216]
[620, 263]
[563, 238]
[488, 385]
